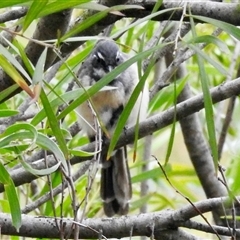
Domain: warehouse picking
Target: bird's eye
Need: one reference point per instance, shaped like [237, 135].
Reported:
[118, 57]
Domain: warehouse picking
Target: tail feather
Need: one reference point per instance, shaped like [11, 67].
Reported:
[116, 190]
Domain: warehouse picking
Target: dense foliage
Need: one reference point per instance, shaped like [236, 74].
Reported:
[184, 155]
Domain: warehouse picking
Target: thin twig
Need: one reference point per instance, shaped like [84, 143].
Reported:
[188, 200]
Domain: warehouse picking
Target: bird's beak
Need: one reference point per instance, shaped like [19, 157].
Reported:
[110, 68]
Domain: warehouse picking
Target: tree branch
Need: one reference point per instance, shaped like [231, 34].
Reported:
[220, 11]
[60, 21]
[148, 224]
[47, 28]
[151, 125]
[13, 14]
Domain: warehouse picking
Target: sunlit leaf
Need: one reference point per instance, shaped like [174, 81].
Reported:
[139, 21]
[229, 28]
[4, 4]
[13, 60]
[14, 74]
[25, 132]
[207, 104]
[80, 153]
[54, 124]
[57, 6]
[7, 112]
[211, 40]
[33, 12]
[88, 22]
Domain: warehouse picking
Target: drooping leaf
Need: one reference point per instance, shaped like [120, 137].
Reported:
[13, 60]
[14, 74]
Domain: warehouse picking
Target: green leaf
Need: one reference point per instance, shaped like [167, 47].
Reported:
[25, 131]
[173, 128]
[130, 104]
[229, 28]
[8, 91]
[57, 6]
[8, 113]
[11, 193]
[151, 174]
[27, 63]
[164, 98]
[4, 4]
[207, 104]
[54, 124]
[13, 60]
[29, 168]
[90, 20]
[14, 74]
[33, 12]
[38, 74]
[80, 153]
[211, 40]
[205, 56]
[66, 97]
[140, 21]
[20, 127]
[84, 25]
[233, 175]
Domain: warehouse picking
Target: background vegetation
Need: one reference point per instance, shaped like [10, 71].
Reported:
[185, 167]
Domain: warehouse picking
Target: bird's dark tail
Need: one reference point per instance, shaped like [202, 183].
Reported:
[116, 189]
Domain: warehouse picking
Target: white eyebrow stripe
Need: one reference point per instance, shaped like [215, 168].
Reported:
[118, 54]
[99, 55]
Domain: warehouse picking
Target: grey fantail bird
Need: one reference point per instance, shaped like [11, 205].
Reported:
[116, 190]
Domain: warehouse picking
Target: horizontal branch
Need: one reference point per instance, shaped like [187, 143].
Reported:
[13, 14]
[183, 109]
[149, 224]
[151, 125]
[226, 12]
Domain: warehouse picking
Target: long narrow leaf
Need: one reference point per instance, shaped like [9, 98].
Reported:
[207, 104]
[84, 25]
[4, 4]
[172, 134]
[89, 21]
[54, 124]
[25, 131]
[229, 28]
[66, 97]
[129, 106]
[57, 6]
[39, 70]
[139, 21]
[12, 196]
[7, 113]
[33, 12]
[14, 74]
[13, 60]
